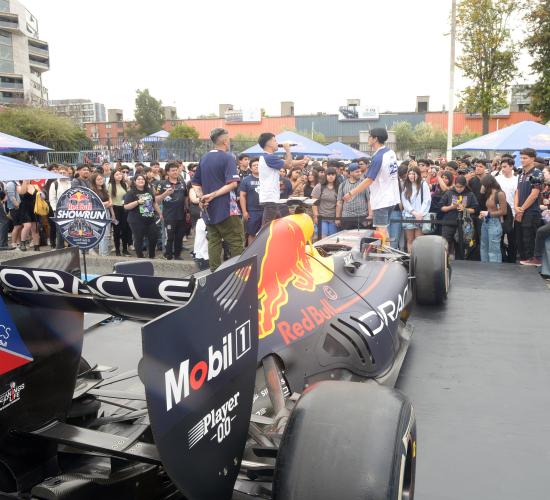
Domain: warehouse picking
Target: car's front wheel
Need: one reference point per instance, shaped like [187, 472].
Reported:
[348, 441]
[430, 269]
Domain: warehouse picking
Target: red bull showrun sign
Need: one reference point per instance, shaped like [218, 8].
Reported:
[81, 217]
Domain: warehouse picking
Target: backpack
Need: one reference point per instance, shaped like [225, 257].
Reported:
[508, 218]
[40, 206]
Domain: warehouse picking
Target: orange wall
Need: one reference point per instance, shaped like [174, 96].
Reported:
[474, 124]
[204, 126]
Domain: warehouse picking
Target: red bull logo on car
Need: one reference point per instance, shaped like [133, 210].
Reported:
[286, 262]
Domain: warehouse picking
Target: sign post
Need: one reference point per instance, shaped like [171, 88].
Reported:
[82, 219]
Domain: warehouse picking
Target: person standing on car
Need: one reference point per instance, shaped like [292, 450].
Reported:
[215, 181]
[172, 193]
[352, 214]
[382, 181]
[269, 171]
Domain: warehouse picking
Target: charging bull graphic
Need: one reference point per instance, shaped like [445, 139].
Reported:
[288, 260]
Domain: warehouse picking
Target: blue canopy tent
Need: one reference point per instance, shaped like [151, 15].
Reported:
[12, 169]
[11, 144]
[527, 134]
[342, 151]
[304, 146]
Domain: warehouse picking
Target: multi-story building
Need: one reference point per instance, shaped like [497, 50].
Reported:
[81, 111]
[23, 57]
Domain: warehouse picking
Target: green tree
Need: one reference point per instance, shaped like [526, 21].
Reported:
[537, 44]
[43, 127]
[488, 54]
[464, 136]
[184, 131]
[148, 112]
[404, 136]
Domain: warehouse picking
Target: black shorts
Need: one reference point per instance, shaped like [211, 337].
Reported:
[15, 215]
[448, 232]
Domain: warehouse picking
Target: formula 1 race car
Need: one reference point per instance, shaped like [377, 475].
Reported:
[269, 378]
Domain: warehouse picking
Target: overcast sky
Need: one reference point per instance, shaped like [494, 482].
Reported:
[196, 54]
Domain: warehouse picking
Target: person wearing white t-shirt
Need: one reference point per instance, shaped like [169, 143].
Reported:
[509, 184]
[269, 166]
[382, 179]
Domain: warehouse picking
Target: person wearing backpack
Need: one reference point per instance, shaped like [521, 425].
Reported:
[416, 199]
[457, 200]
[491, 219]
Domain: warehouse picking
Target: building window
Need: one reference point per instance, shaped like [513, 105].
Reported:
[4, 6]
[5, 38]
[6, 66]
[120, 125]
[108, 125]
[9, 22]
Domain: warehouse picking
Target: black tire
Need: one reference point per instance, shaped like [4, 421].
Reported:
[431, 270]
[348, 441]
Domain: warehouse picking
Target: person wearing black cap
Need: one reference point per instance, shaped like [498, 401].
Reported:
[83, 179]
[269, 167]
[215, 181]
[382, 180]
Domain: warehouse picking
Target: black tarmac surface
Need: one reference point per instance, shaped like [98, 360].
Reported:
[478, 374]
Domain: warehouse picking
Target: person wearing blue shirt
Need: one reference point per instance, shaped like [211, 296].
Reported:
[250, 201]
[269, 166]
[215, 181]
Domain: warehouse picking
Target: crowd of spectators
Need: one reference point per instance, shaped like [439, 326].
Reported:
[489, 211]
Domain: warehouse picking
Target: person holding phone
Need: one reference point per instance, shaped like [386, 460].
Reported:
[172, 194]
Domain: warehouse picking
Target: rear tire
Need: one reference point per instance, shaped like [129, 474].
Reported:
[348, 441]
[431, 270]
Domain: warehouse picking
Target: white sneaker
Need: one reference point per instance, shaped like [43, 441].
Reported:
[185, 238]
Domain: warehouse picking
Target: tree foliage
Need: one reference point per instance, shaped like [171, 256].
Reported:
[537, 44]
[148, 112]
[424, 138]
[184, 131]
[488, 56]
[43, 127]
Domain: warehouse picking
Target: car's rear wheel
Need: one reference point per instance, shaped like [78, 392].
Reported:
[348, 440]
[431, 270]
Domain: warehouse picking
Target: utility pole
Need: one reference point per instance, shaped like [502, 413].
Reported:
[450, 113]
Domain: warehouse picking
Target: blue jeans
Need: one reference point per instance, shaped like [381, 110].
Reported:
[395, 229]
[103, 244]
[491, 232]
[328, 228]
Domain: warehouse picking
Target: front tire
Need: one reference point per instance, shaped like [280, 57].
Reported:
[430, 268]
[348, 441]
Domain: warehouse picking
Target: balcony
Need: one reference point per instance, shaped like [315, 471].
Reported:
[11, 85]
[9, 21]
[39, 51]
[12, 100]
[39, 63]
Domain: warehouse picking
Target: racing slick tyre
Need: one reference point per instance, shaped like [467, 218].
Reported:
[350, 441]
[430, 267]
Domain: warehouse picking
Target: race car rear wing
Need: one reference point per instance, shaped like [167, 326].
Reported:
[56, 277]
[198, 369]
